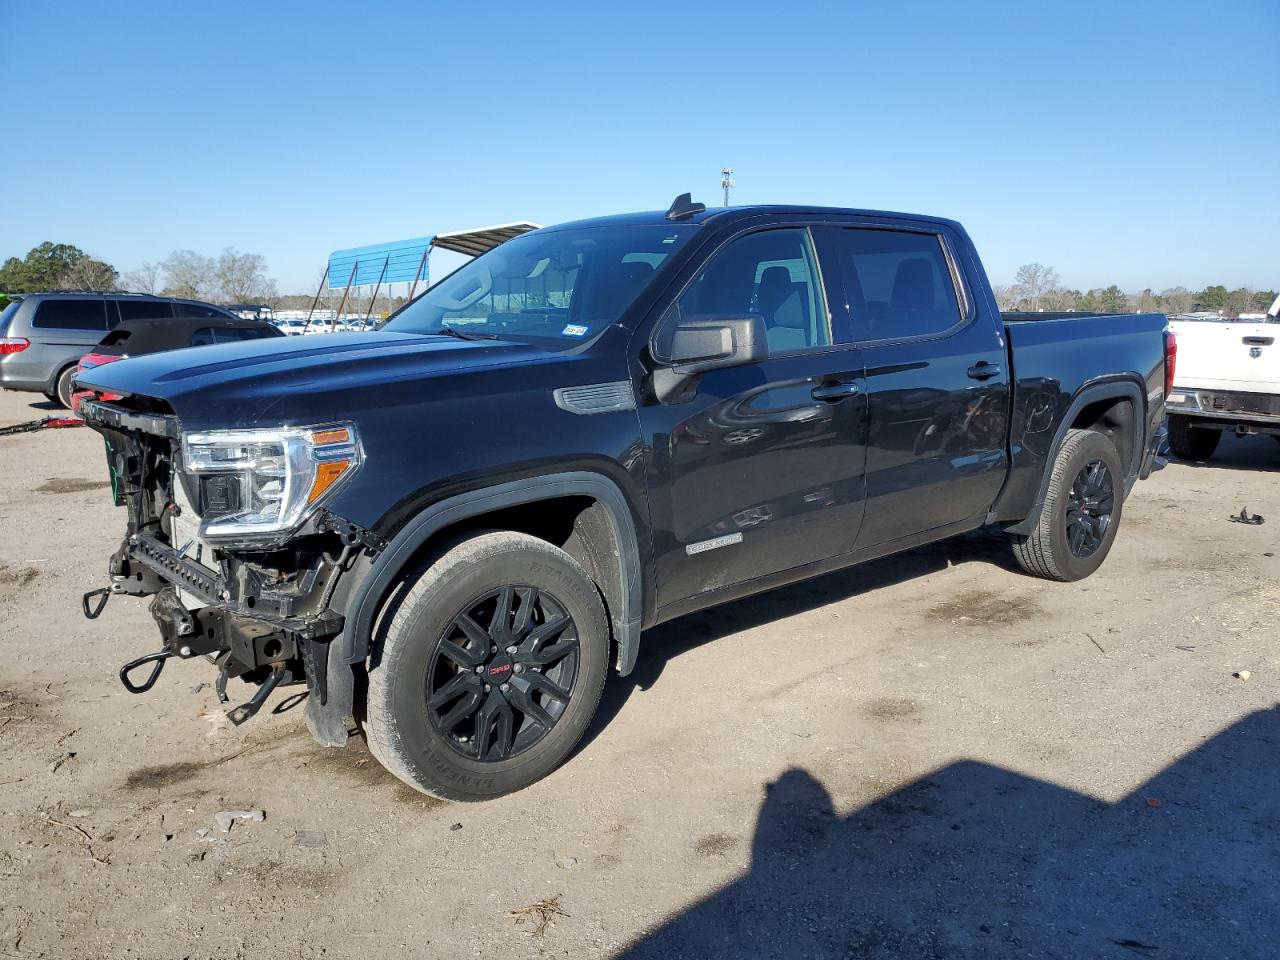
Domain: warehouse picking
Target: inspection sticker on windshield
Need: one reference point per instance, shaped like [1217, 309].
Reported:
[573, 330]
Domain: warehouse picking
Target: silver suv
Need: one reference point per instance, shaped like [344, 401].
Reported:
[44, 335]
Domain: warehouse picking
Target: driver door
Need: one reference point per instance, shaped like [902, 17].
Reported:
[761, 469]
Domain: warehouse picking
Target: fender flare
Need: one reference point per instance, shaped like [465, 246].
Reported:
[364, 602]
[1125, 389]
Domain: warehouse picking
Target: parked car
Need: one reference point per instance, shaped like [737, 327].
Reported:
[43, 335]
[1228, 378]
[449, 527]
[135, 338]
[291, 327]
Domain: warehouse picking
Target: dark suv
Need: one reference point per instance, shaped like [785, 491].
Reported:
[44, 335]
[449, 528]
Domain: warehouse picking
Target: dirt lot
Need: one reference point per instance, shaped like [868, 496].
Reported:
[929, 756]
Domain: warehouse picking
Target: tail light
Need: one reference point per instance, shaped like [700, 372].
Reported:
[1170, 360]
[88, 362]
[91, 360]
[13, 344]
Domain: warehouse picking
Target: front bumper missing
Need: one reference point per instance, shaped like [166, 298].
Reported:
[246, 630]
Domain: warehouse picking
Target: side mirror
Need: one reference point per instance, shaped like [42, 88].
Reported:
[705, 342]
[713, 340]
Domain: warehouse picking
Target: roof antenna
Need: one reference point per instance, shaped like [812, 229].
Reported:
[683, 207]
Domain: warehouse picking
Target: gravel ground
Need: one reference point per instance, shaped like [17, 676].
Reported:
[931, 755]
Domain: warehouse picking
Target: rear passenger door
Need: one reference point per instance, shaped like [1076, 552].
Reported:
[935, 380]
[62, 331]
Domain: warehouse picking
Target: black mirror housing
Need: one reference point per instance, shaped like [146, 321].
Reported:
[713, 340]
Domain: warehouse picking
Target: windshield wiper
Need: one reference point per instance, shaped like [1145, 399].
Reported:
[459, 334]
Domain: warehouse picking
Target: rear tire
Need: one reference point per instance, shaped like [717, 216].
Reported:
[1081, 511]
[1189, 442]
[469, 703]
[63, 389]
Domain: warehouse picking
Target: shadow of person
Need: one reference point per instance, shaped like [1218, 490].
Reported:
[977, 861]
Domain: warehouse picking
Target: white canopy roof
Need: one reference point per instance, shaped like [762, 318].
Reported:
[480, 240]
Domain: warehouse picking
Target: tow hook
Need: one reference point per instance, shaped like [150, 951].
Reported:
[101, 596]
[240, 714]
[157, 658]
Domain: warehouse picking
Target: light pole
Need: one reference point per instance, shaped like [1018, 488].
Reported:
[727, 181]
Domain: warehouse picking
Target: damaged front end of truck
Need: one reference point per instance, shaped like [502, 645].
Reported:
[229, 536]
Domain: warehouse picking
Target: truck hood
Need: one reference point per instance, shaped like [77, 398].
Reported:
[278, 380]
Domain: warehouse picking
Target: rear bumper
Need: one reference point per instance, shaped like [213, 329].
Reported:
[1226, 408]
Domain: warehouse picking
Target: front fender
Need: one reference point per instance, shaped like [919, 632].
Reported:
[366, 596]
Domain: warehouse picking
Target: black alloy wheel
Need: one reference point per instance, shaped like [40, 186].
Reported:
[504, 673]
[488, 666]
[1089, 506]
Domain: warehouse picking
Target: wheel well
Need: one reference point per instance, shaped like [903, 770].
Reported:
[579, 525]
[1115, 419]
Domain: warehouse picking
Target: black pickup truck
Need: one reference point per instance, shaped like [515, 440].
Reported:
[450, 527]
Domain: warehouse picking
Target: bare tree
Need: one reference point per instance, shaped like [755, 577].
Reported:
[1058, 299]
[242, 277]
[1006, 298]
[1032, 282]
[1240, 301]
[188, 274]
[1144, 302]
[1176, 300]
[146, 279]
[88, 274]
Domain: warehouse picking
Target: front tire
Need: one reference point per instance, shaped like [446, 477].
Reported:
[1081, 511]
[1189, 442]
[490, 669]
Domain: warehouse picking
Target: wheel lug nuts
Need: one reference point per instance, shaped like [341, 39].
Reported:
[505, 688]
[511, 649]
[480, 669]
[518, 668]
[487, 688]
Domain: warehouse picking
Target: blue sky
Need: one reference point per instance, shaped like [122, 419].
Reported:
[1129, 143]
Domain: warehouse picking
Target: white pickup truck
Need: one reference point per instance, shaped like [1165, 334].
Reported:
[1227, 378]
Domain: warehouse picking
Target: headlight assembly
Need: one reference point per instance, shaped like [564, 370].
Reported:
[260, 484]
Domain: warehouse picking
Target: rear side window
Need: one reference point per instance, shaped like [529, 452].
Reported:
[71, 315]
[199, 310]
[207, 335]
[899, 283]
[144, 309]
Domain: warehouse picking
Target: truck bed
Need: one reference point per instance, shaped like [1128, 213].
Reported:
[1053, 356]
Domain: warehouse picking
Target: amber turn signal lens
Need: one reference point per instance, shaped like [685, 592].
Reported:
[323, 438]
[327, 474]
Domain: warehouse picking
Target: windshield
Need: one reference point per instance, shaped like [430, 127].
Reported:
[556, 288]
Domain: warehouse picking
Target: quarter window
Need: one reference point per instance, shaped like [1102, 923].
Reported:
[899, 283]
[71, 315]
[773, 273]
[199, 310]
[144, 309]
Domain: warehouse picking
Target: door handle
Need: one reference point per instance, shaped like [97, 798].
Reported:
[983, 370]
[834, 391]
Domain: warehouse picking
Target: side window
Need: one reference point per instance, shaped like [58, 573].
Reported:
[144, 309]
[199, 310]
[71, 315]
[899, 283]
[773, 273]
[203, 337]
